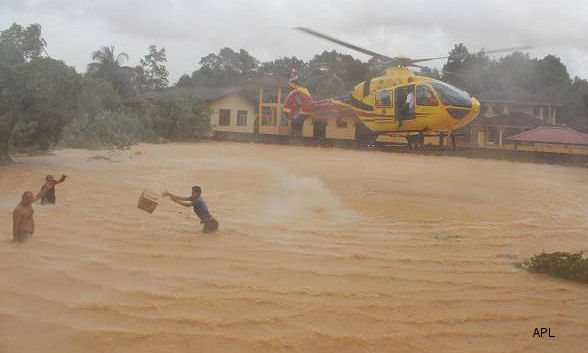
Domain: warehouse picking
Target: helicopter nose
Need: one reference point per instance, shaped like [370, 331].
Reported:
[473, 113]
[475, 107]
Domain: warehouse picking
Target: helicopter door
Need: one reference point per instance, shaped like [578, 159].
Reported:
[404, 101]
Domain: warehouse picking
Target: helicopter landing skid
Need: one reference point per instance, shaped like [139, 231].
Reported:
[417, 141]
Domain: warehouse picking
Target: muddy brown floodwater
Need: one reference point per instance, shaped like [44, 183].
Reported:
[319, 250]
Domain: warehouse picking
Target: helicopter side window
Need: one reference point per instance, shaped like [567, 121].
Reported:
[425, 96]
[383, 99]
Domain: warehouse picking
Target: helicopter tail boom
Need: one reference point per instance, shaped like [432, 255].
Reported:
[299, 101]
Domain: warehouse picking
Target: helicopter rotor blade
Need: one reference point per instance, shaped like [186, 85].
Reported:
[505, 50]
[345, 44]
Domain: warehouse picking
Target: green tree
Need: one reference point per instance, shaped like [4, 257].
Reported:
[36, 94]
[227, 68]
[185, 81]
[155, 76]
[48, 102]
[97, 95]
[283, 66]
[21, 44]
[332, 73]
[574, 111]
[108, 65]
[466, 70]
[430, 72]
[179, 118]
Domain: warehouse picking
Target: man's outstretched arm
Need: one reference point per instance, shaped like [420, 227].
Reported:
[180, 200]
[183, 203]
[176, 197]
[61, 180]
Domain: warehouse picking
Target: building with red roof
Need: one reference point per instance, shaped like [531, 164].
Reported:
[551, 135]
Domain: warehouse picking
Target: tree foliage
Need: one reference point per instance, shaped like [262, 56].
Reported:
[97, 95]
[332, 73]
[227, 68]
[153, 70]
[110, 129]
[108, 65]
[48, 103]
[519, 77]
[37, 94]
[179, 118]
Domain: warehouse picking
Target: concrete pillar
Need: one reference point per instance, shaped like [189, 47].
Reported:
[279, 108]
[260, 110]
[500, 132]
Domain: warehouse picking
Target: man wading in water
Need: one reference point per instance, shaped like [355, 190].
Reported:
[23, 224]
[50, 182]
[199, 206]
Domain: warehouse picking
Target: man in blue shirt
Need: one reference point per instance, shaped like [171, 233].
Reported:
[199, 206]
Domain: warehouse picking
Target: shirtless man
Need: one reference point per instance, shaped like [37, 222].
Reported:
[50, 182]
[199, 206]
[23, 224]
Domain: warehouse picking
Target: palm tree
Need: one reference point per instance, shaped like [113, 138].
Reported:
[108, 65]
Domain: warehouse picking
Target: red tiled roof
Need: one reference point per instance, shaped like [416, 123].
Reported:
[552, 134]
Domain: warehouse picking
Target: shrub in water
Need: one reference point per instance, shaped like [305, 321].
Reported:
[107, 129]
[560, 264]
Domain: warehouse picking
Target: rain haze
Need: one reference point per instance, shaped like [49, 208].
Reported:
[192, 29]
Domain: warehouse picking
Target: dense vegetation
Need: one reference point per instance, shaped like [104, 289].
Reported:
[43, 101]
[560, 264]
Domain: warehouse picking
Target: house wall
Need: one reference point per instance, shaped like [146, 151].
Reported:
[233, 102]
[343, 133]
[308, 128]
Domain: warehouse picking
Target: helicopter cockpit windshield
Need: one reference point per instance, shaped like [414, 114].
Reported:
[451, 95]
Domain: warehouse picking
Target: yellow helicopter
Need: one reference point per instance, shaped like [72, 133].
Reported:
[398, 103]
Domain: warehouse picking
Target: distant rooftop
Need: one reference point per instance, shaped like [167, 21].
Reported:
[503, 101]
[514, 120]
[552, 134]
[517, 97]
[196, 93]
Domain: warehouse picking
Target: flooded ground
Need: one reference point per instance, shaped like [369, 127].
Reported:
[320, 250]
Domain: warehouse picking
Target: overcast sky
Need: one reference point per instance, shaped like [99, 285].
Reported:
[190, 29]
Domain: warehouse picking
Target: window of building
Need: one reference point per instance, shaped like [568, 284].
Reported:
[242, 118]
[268, 116]
[425, 96]
[341, 123]
[383, 99]
[224, 117]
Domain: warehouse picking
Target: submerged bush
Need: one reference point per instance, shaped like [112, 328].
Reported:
[107, 130]
[560, 264]
[179, 118]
